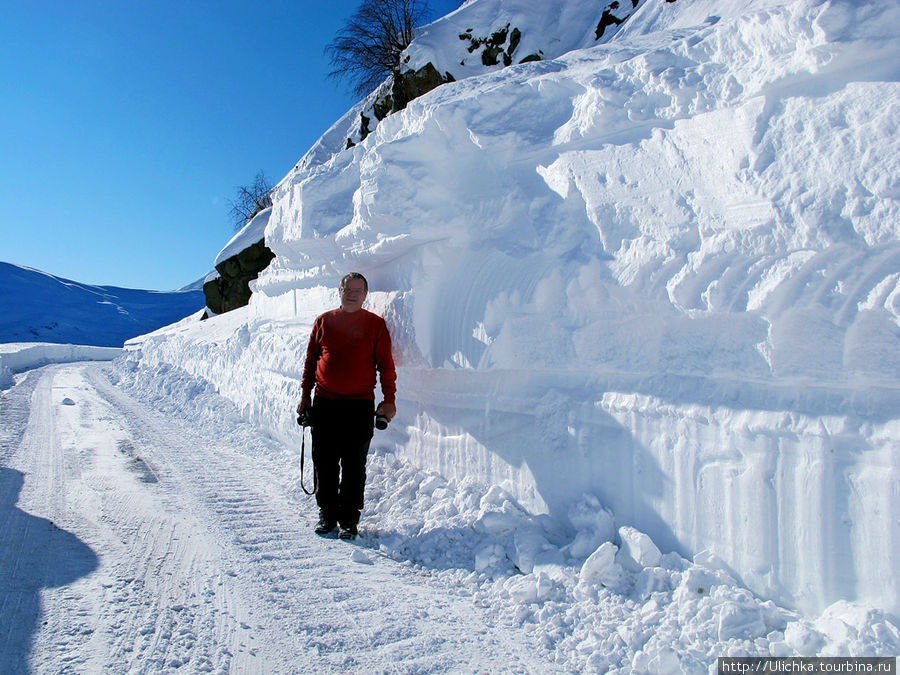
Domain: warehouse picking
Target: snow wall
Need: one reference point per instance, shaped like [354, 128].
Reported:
[663, 270]
[16, 357]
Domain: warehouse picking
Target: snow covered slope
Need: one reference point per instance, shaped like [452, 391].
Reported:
[39, 307]
[662, 271]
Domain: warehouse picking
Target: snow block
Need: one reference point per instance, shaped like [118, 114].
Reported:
[359, 556]
[803, 639]
[652, 580]
[530, 588]
[552, 564]
[496, 523]
[499, 514]
[637, 551]
[521, 589]
[594, 524]
[740, 618]
[601, 567]
[696, 582]
[527, 544]
[856, 630]
[488, 556]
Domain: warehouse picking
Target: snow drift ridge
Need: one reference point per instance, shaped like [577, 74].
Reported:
[664, 270]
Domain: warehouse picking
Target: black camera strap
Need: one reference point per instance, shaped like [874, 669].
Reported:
[303, 461]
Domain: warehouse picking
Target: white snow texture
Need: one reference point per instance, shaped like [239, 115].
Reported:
[647, 287]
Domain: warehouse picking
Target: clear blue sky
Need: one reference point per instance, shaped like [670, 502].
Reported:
[126, 125]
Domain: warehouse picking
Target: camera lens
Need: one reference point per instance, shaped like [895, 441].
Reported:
[381, 422]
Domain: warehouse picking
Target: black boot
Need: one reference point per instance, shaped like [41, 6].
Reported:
[347, 531]
[325, 524]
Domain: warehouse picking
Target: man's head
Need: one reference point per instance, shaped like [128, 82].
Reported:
[354, 289]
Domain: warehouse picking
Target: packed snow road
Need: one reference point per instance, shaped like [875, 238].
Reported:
[133, 541]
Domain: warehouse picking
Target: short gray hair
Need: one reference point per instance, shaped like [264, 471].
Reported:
[354, 275]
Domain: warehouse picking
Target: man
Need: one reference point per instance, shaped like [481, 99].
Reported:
[346, 348]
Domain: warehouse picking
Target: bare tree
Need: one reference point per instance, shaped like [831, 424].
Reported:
[367, 49]
[250, 200]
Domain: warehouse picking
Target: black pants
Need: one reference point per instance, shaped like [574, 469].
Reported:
[341, 433]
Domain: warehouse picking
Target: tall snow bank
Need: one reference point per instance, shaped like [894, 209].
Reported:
[17, 357]
[663, 270]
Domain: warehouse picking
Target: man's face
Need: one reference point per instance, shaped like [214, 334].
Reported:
[353, 295]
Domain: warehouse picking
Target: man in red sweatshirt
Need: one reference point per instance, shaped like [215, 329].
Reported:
[346, 348]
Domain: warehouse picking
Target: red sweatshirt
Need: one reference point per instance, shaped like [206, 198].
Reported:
[344, 351]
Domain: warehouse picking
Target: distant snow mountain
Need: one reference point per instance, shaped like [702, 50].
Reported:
[36, 306]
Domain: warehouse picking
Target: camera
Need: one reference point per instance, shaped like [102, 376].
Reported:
[381, 422]
[304, 419]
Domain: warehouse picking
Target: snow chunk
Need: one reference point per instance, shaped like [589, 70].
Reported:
[359, 556]
[601, 567]
[852, 629]
[488, 556]
[531, 588]
[740, 617]
[637, 550]
[594, 524]
[528, 542]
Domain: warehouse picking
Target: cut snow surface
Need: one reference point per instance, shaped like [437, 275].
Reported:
[17, 357]
[662, 271]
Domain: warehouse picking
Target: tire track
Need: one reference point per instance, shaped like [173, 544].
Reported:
[307, 603]
[154, 603]
[214, 567]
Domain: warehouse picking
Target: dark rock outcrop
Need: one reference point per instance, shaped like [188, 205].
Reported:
[404, 87]
[412, 84]
[498, 47]
[231, 289]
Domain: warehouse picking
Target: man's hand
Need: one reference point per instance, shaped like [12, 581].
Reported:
[305, 402]
[386, 409]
